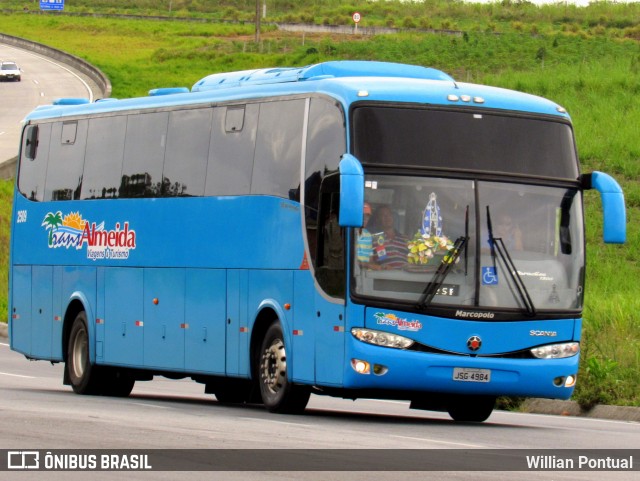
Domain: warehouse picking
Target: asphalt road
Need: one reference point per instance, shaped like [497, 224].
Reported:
[38, 412]
[43, 81]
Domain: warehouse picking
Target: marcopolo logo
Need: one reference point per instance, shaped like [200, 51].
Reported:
[475, 315]
[72, 231]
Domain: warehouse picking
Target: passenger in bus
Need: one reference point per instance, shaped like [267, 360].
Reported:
[364, 240]
[390, 246]
[507, 230]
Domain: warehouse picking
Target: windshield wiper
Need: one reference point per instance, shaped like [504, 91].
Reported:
[443, 270]
[445, 266]
[497, 245]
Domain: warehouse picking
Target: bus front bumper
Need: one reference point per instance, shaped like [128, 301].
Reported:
[380, 368]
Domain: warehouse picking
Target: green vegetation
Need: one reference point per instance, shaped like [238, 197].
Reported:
[505, 16]
[6, 194]
[586, 59]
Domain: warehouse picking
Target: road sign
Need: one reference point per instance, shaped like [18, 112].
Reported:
[356, 17]
[51, 4]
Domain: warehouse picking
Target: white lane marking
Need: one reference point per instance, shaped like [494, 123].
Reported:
[276, 422]
[147, 405]
[16, 375]
[437, 441]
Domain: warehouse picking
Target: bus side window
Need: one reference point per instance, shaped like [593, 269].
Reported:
[67, 150]
[232, 146]
[278, 146]
[34, 159]
[325, 145]
[330, 258]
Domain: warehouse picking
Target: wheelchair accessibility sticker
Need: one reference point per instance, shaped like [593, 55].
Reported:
[489, 276]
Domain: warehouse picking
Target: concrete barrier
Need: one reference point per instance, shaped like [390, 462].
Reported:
[85, 68]
[8, 168]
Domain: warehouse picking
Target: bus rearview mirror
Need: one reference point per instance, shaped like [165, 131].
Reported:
[615, 219]
[351, 192]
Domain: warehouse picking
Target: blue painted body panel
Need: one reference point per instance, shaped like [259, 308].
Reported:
[123, 315]
[202, 321]
[210, 232]
[451, 335]
[205, 318]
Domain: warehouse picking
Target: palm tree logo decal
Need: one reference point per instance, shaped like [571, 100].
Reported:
[52, 222]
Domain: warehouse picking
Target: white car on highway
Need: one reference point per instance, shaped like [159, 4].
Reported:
[9, 71]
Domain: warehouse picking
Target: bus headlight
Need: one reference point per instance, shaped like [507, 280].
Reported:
[556, 351]
[381, 338]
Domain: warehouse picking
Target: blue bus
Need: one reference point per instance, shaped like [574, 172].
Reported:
[351, 228]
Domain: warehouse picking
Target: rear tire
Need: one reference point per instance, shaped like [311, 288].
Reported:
[278, 394]
[83, 376]
[473, 409]
[86, 378]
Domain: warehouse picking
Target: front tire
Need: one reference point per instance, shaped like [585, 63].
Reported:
[473, 409]
[278, 394]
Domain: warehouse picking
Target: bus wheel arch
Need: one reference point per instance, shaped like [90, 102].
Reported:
[263, 321]
[73, 309]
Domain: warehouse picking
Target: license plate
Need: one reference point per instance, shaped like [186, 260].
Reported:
[471, 375]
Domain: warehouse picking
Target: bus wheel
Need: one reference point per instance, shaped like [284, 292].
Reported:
[82, 375]
[475, 409]
[278, 394]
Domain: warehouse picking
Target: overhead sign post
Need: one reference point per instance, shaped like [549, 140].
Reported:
[356, 17]
[51, 4]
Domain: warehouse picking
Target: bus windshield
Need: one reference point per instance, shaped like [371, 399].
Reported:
[460, 242]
